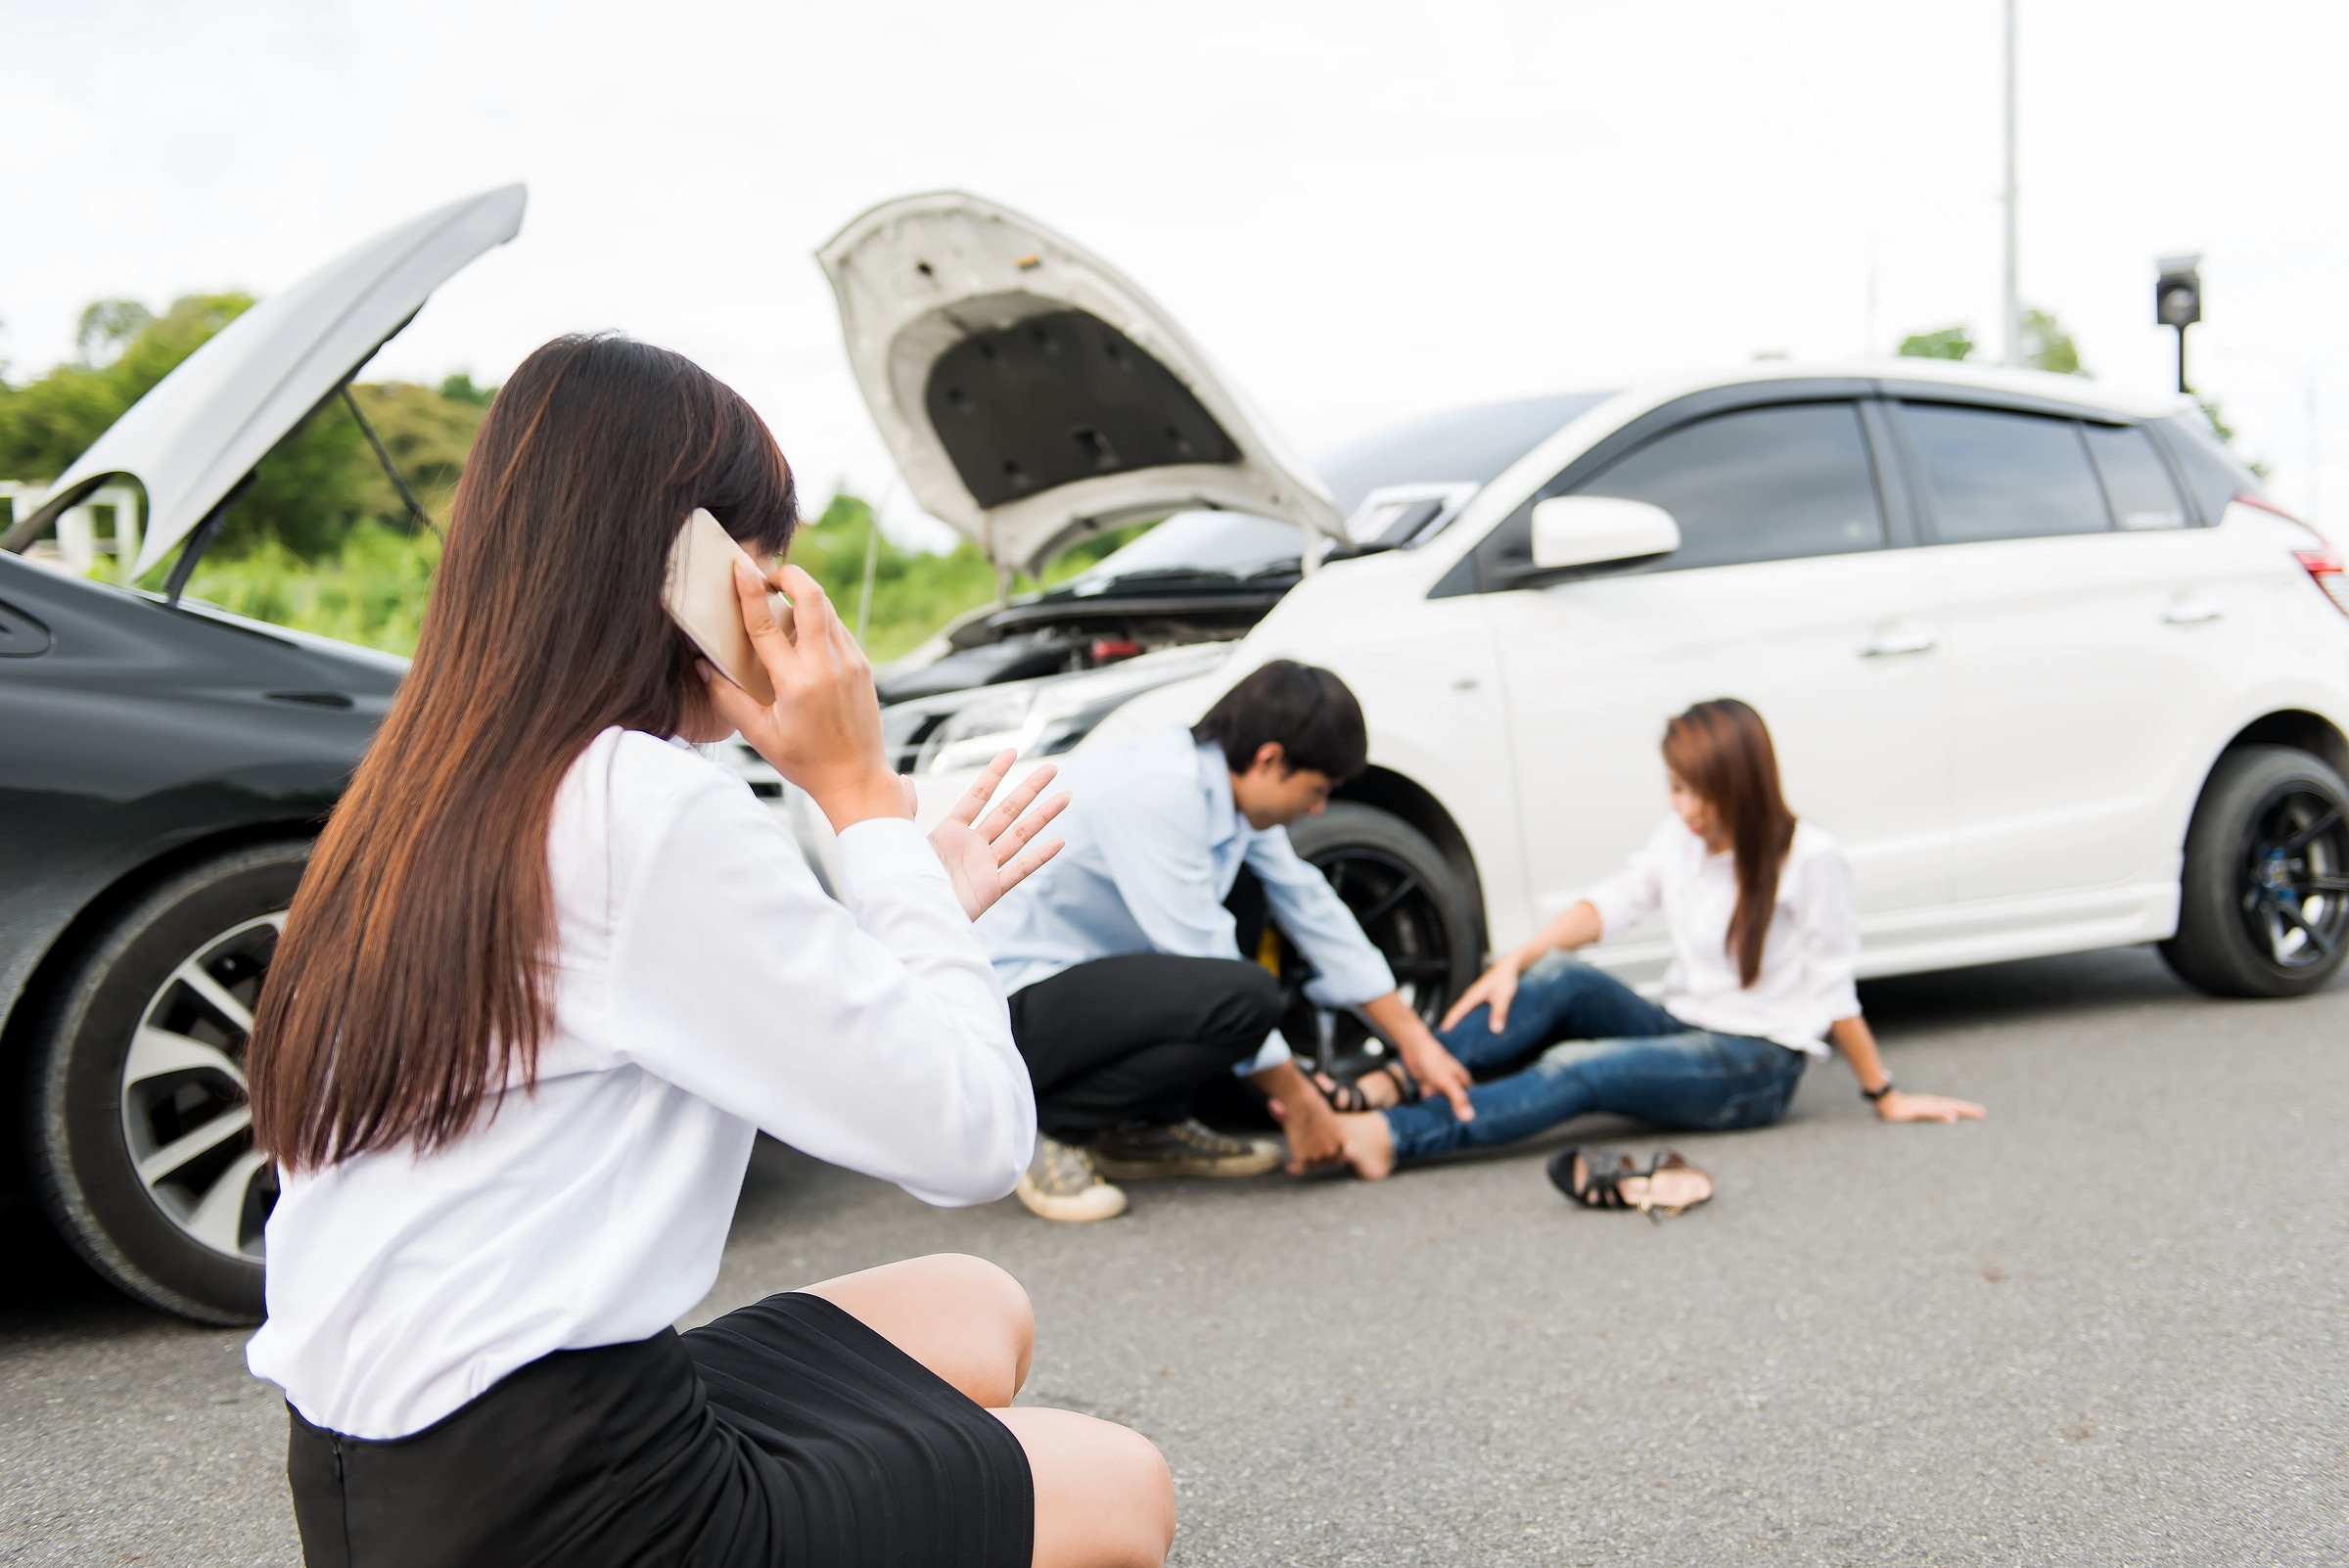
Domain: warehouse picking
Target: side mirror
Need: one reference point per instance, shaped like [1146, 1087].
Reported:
[1573, 531]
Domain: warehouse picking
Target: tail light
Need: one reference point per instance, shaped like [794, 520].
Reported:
[2326, 568]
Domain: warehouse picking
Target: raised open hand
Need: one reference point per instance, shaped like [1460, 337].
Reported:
[984, 860]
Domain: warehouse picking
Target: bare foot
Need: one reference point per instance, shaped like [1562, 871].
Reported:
[1370, 1147]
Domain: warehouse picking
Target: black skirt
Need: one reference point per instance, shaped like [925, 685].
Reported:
[781, 1435]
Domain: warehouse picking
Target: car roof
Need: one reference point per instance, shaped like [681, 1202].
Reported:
[1955, 375]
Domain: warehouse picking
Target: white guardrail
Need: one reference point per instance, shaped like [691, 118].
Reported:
[102, 526]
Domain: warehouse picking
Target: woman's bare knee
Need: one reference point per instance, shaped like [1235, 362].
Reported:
[1104, 1498]
[964, 1317]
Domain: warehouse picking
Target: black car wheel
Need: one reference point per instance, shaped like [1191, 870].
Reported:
[2263, 892]
[1409, 902]
[141, 1135]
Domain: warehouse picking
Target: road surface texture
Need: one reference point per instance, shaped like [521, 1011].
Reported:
[2104, 1327]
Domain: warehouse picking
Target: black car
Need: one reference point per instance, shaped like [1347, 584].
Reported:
[163, 768]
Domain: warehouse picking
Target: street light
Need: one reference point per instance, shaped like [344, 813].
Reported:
[2177, 301]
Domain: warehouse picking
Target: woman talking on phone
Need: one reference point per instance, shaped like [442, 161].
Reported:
[550, 972]
[1764, 936]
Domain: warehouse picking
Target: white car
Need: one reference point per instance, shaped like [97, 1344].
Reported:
[2033, 651]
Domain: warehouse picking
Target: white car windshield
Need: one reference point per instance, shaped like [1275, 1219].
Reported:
[1202, 543]
[1463, 446]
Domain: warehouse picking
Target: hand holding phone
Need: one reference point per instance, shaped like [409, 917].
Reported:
[800, 690]
[700, 596]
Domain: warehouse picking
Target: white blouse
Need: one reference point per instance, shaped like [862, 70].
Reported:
[704, 989]
[1806, 979]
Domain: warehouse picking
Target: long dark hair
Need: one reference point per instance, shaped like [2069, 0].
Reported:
[1721, 748]
[411, 978]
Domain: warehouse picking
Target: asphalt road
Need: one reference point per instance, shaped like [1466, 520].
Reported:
[2104, 1327]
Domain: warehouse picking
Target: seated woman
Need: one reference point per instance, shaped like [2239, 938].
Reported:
[549, 974]
[1764, 936]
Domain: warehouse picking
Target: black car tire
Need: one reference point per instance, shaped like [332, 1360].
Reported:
[2263, 907]
[137, 982]
[1410, 902]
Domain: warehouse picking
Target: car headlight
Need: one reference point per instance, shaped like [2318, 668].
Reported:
[975, 733]
[1047, 716]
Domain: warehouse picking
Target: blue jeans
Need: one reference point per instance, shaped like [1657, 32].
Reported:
[1607, 1051]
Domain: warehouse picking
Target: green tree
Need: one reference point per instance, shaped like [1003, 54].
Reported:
[1949, 342]
[458, 387]
[2046, 344]
[311, 488]
[2048, 347]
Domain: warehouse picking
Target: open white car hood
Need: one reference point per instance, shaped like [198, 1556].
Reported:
[202, 427]
[1031, 393]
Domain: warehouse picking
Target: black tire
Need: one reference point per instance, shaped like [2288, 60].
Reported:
[182, 1230]
[1410, 902]
[2263, 907]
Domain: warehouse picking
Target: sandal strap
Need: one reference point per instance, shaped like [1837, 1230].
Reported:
[1603, 1171]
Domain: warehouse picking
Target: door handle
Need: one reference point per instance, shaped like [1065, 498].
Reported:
[1899, 642]
[2192, 613]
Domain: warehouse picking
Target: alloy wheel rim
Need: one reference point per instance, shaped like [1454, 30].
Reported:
[187, 1123]
[2294, 878]
[1403, 922]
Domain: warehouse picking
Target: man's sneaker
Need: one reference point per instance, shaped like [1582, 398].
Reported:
[1062, 1184]
[1136, 1154]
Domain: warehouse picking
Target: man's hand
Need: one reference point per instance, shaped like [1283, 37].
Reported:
[980, 859]
[1438, 1071]
[1303, 1115]
[1898, 1107]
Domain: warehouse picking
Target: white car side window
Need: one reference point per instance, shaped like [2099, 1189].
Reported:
[1996, 475]
[1757, 484]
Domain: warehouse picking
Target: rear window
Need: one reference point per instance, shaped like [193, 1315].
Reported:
[1995, 474]
[2214, 476]
[2136, 480]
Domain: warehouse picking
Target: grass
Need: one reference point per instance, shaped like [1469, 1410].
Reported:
[371, 589]
[370, 592]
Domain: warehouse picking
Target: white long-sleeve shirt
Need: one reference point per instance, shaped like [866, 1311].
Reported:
[1153, 844]
[704, 989]
[1806, 979]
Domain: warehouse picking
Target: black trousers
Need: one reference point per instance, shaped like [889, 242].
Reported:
[1135, 1038]
[1132, 1039]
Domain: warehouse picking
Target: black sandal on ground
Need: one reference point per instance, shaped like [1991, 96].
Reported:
[1348, 1099]
[1609, 1178]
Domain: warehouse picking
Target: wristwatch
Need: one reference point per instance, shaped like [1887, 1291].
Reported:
[1875, 1094]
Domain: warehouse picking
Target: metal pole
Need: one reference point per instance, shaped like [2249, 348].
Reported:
[872, 560]
[2010, 309]
[2184, 390]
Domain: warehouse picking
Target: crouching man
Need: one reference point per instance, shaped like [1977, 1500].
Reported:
[1129, 993]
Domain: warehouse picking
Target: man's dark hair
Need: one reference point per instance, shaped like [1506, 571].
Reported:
[1308, 711]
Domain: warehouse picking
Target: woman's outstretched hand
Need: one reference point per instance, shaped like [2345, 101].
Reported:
[984, 859]
[1496, 989]
[823, 730]
[1898, 1107]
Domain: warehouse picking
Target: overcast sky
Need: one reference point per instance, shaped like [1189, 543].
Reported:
[1362, 210]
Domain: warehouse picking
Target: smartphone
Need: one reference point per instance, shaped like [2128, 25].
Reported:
[699, 595]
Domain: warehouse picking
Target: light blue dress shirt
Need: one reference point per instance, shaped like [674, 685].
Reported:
[1154, 844]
